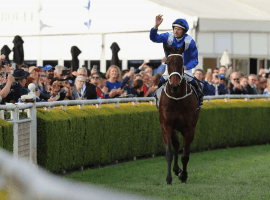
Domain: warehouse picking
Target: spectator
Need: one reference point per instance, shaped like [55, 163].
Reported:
[113, 81]
[235, 87]
[151, 91]
[208, 87]
[54, 90]
[6, 88]
[83, 90]
[161, 67]
[58, 71]
[88, 76]
[102, 85]
[94, 79]
[49, 72]
[19, 89]
[221, 85]
[149, 71]
[227, 85]
[258, 84]
[80, 88]
[199, 74]
[251, 84]
[222, 70]
[34, 71]
[267, 89]
[24, 67]
[208, 77]
[68, 87]
[244, 82]
[91, 92]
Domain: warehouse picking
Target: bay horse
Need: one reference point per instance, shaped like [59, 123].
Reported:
[178, 110]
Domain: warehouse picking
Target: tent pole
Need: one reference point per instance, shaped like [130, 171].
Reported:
[103, 58]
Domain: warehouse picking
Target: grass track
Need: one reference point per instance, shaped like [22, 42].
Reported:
[235, 173]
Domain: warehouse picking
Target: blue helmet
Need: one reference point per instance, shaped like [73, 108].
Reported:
[181, 23]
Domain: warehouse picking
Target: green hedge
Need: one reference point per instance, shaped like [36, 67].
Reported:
[74, 138]
[6, 135]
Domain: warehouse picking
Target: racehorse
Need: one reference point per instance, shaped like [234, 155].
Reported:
[178, 110]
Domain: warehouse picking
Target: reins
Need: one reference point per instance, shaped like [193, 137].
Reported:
[181, 78]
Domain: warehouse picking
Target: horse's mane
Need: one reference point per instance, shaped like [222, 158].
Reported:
[171, 49]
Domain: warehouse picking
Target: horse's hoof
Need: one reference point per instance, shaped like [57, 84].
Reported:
[183, 177]
[178, 172]
[169, 183]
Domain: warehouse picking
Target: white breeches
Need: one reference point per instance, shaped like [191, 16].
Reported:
[188, 78]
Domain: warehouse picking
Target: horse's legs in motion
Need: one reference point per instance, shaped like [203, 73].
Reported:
[176, 146]
[166, 135]
[187, 139]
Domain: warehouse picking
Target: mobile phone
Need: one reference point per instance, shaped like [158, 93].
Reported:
[132, 69]
[14, 65]
[95, 67]
[61, 83]
[65, 72]
[209, 70]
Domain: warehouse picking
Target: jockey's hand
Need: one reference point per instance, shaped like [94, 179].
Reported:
[159, 20]
[185, 68]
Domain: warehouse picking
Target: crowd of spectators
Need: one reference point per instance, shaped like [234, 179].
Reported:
[57, 83]
[224, 81]
[60, 83]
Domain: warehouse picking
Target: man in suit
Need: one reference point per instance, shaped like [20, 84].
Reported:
[89, 90]
[251, 88]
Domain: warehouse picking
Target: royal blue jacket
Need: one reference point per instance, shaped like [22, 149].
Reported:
[191, 51]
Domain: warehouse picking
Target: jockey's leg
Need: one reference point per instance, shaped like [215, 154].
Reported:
[194, 82]
[164, 77]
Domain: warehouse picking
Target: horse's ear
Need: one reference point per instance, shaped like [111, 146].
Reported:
[167, 49]
[182, 48]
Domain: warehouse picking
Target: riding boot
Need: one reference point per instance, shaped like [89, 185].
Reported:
[194, 83]
[161, 81]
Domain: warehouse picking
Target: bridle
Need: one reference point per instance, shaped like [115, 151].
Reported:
[181, 78]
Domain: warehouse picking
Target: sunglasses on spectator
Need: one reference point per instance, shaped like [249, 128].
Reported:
[237, 79]
[95, 77]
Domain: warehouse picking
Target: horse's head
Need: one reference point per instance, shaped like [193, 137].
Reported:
[175, 66]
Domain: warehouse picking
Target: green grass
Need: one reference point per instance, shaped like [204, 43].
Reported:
[235, 173]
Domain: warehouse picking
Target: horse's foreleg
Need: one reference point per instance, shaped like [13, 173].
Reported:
[176, 146]
[187, 139]
[166, 135]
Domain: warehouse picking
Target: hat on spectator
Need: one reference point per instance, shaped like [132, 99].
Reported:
[32, 68]
[221, 76]
[48, 67]
[20, 74]
[70, 81]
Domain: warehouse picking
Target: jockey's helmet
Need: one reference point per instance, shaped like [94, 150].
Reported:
[182, 23]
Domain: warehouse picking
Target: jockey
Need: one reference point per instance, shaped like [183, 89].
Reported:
[177, 39]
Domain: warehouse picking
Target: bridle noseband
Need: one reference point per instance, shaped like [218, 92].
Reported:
[181, 77]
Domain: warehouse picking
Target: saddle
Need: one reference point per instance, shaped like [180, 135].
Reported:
[159, 91]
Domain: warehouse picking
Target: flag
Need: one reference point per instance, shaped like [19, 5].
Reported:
[88, 6]
[88, 23]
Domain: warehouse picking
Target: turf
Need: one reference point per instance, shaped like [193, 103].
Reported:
[234, 173]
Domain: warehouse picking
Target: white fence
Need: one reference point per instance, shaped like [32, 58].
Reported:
[21, 180]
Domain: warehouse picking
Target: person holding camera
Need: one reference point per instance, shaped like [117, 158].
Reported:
[6, 89]
[17, 88]
[235, 87]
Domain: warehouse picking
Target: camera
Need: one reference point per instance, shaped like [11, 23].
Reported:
[216, 76]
